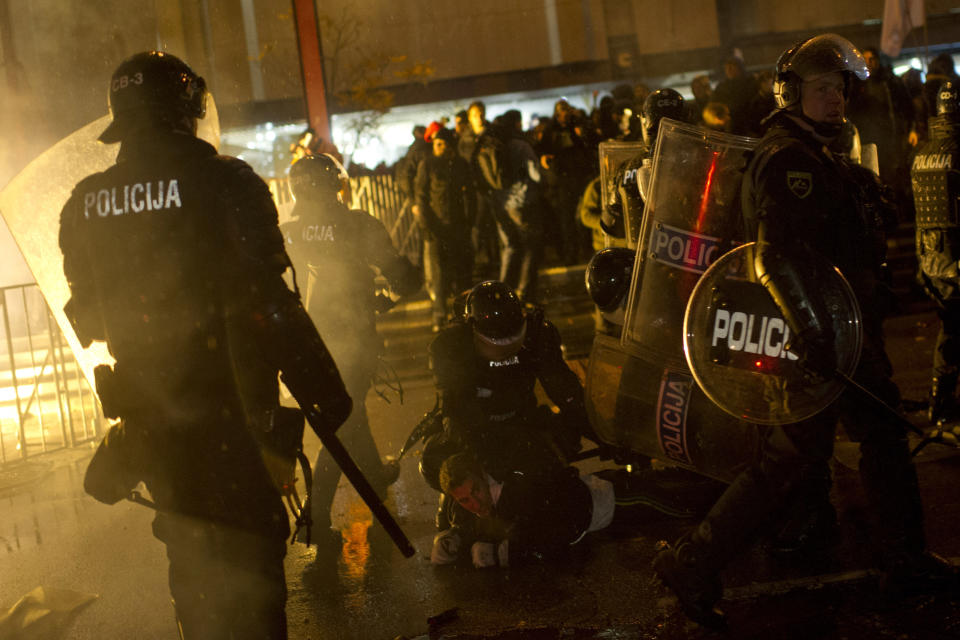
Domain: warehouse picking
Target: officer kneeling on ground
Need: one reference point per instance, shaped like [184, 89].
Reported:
[797, 195]
[182, 278]
[486, 366]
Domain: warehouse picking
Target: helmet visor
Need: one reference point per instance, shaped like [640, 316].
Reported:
[827, 53]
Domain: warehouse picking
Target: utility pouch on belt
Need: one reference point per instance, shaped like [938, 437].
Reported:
[110, 391]
[281, 443]
[110, 476]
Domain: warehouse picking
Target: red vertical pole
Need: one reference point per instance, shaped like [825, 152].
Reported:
[311, 66]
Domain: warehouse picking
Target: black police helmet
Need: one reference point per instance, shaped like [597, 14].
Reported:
[316, 176]
[662, 103]
[813, 57]
[153, 84]
[948, 99]
[608, 277]
[495, 311]
[499, 325]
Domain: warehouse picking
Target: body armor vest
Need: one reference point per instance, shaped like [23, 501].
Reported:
[936, 182]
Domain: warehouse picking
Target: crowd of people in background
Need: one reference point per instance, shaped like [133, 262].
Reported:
[524, 188]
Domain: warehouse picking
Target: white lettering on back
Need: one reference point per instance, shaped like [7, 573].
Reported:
[133, 199]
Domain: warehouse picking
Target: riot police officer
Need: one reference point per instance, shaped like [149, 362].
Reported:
[341, 250]
[936, 192]
[485, 367]
[632, 177]
[174, 259]
[797, 194]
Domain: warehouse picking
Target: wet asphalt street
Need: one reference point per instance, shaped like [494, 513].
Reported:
[53, 535]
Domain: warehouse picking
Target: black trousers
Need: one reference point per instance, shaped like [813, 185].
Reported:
[791, 452]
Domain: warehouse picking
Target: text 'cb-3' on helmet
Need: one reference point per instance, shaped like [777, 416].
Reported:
[812, 57]
[662, 103]
[153, 85]
[948, 99]
[316, 176]
[495, 312]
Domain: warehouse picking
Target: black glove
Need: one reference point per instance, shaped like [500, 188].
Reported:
[818, 358]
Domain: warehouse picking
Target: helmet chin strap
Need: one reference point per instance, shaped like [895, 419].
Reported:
[823, 129]
[826, 130]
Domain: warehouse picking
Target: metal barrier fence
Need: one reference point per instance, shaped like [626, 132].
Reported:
[45, 401]
[379, 196]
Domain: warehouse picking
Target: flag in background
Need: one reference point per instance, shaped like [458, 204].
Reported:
[899, 17]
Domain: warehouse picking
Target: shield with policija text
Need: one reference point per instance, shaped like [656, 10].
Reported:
[691, 217]
[620, 164]
[735, 340]
[31, 203]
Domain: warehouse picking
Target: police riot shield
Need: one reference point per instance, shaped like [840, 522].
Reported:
[691, 217]
[619, 164]
[659, 412]
[735, 340]
[31, 203]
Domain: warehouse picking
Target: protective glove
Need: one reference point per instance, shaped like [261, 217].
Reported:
[446, 547]
[818, 359]
[484, 554]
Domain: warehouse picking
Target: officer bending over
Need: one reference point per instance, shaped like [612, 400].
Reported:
[485, 367]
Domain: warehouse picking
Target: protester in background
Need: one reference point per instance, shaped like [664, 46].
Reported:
[883, 113]
[566, 158]
[444, 205]
[509, 167]
[737, 91]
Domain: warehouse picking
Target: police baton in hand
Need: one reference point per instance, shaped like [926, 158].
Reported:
[311, 376]
[349, 468]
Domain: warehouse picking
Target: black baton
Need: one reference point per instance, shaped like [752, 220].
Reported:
[349, 468]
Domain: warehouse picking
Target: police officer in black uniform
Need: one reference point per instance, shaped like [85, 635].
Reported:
[485, 367]
[797, 194]
[342, 250]
[633, 176]
[174, 259]
[936, 193]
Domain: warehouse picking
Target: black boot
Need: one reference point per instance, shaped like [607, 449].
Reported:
[697, 589]
[809, 524]
[808, 529]
[917, 573]
[943, 404]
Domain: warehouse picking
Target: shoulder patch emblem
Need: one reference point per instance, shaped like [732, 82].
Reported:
[800, 183]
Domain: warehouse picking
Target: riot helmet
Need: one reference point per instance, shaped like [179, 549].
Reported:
[816, 56]
[496, 315]
[662, 103]
[608, 277]
[150, 88]
[948, 99]
[316, 177]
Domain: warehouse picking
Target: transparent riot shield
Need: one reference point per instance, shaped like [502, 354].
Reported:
[660, 412]
[31, 203]
[691, 217]
[619, 166]
[735, 339]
